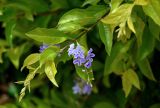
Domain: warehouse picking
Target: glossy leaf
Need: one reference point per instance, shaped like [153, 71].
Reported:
[76, 19]
[31, 59]
[141, 2]
[115, 4]
[152, 10]
[146, 69]
[48, 36]
[92, 2]
[49, 54]
[50, 70]
[147, 46]
[123, 12]
[106, 35]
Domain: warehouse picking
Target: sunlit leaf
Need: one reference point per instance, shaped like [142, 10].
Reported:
[31, 59]
[141, 2]
[119, 16]
[152, 10]
[48, 36]
[92, 2]
[50, 70]
[49, 54]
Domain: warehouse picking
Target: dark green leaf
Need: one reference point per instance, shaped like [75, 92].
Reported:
[106, 35]
[104, 105]
[8, 32]
[146, 69]
[147, 46]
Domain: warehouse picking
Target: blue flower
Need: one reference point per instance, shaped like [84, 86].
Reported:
[87, 89]
[79, 57]
[76, 89]
[84, 89]
[89, 58]
[43, 47]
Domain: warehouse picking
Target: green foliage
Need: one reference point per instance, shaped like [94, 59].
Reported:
[124, 35]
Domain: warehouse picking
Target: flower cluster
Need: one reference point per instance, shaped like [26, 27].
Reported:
[82, 89]
[79, 57]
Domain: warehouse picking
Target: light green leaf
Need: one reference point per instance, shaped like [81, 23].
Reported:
[152, 10]
[115, 4]
[120, 15]
[147, 46]
[130, 24]
[14, 54]
[141, 2]
[133, 78]
[50, 70]
[106, 35]
[48, 36]
[146, 69]
[76, 19]
[8, 31]
[49, 54]
[92, 2]
[127, 85]
[104, 105]
[117, 53]
[31, 59]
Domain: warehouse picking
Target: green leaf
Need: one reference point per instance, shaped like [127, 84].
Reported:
[133, 78]
[2, 50]
[147, 46]
[154, 29]
[130, 24]
[31, 59]
[115, 4]
[76, 19]
[8, 31]
[85, 74]
[104, 105]
[123, 12]
[49, 54]
[14, 55]
[141, 2]
[139, 27]
[106, 35]
[48, 36]
[127, 85]
[152, 10]
[146, 69]
[117, 53]
[92, 2]
[50, 70]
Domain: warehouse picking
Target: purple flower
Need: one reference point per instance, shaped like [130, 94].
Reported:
[71, 50]
[76, 89]
[87, 89]
[43, 47]
[83, 89]
[89, 58]
[79, 57]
